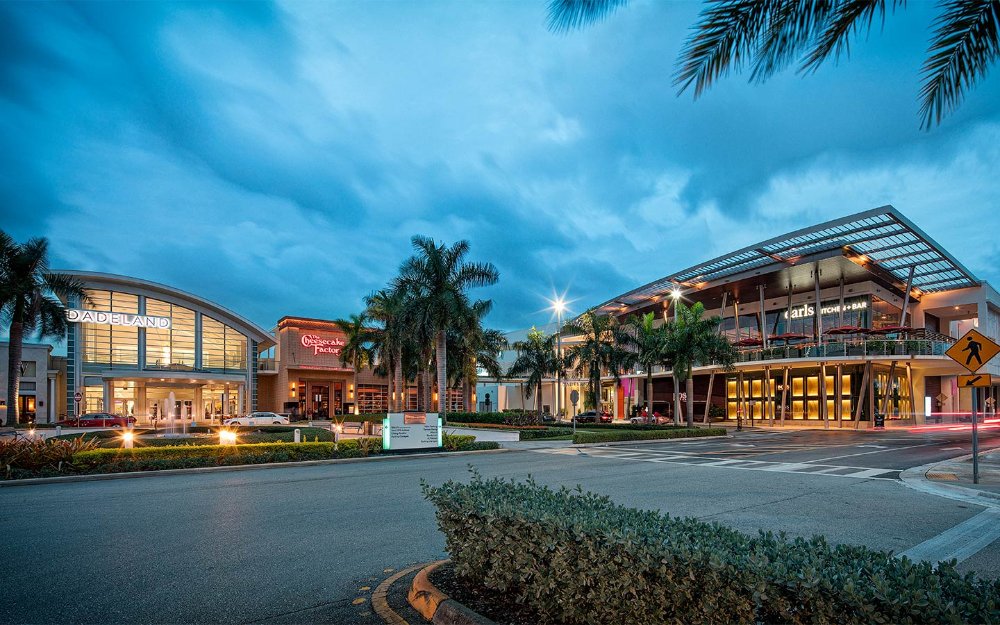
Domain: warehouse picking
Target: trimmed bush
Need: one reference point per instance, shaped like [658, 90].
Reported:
[643, 435]
[530, 435]
[45, 455]
[465, 442]
[495, 426]
[576, 557]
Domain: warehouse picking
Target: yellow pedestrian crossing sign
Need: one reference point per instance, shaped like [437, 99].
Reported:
[975, 380]
[973, 350]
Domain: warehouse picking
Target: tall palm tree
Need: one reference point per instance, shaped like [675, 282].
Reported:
[438, 278]
[387, 307]
[601, 348]
[647, 343]
[694, 340]
[770, 35]
[536, 360]
[474, 347]
[30, 302]
[358, 350]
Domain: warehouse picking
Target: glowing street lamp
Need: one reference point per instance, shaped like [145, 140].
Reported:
[559, 306]
[128, 439]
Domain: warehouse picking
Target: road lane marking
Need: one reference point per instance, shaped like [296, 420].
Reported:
[960, 542]
[877, 451]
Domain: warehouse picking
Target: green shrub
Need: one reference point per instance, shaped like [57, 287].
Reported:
[642, 435]
[530, 435]
[19, 455]
[576, 557]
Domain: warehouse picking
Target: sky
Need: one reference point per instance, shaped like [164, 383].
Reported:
[276, 158]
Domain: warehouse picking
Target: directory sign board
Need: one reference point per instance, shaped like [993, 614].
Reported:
[411, 430]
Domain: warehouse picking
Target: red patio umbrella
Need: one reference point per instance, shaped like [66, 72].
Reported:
[749, 342]
[846, 330]
[789, 336]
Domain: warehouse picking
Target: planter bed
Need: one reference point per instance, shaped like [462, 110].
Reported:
[610, 436]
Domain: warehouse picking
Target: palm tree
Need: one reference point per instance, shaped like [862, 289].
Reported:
[647, 342]
[692, 340]
[536, 360]
[358, 351]
[602, 348]
[437, 279]
[770, 35]
[475, 348]
[30, 301]
[387, 307]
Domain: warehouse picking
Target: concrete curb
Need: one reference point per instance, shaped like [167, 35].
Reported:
[437, 607]
[99, 477]
[380, 602]
[916, 478]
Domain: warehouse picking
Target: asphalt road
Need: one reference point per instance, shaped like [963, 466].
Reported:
[308, 544]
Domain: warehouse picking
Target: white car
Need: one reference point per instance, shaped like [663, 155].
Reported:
[258, 418]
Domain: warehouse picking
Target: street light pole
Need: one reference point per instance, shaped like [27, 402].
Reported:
[559, 305]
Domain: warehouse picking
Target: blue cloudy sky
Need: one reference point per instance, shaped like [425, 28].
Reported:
[277, 157]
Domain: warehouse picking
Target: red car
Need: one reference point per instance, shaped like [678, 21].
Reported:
[99, 420]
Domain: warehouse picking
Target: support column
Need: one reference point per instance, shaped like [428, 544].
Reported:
[108, 395]
[763, 318]
[768, 397]
[906, 297]
[838, 395]
[784, 395]
[861, 397]
[818, 314]
[823, 396]
[909, 387]
[888, 388]
[708, 397]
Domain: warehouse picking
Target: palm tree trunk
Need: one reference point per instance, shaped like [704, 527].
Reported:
[538, 401]
[400, 386]
[677, 400]
[467, 396]
[442, 374]
[690, 402]
[390, 400]
[14, 369]
[425, 382]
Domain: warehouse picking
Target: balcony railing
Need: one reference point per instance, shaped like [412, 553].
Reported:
[267, 365]
[864, 348]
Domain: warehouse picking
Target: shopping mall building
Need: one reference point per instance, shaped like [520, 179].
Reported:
[833, 324]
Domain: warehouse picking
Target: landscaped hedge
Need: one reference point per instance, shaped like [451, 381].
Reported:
[184, 456]
[577, 557]
[643, 435]
[530, 435]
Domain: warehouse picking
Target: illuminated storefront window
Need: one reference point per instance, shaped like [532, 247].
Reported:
[170, 348]
[223, 349]
[373, 398]
[884, 314]
[109, 346]
[802, 397]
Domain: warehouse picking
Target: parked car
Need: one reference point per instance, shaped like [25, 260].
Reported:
[99, 420]
[547, 418]
[656, 419]
[258, 418]
[592, 416]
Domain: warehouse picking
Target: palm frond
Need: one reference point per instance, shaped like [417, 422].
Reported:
[849, 17]
[566, 15]
[965, 43]
[725, 38]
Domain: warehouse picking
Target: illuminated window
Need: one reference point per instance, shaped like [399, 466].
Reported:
[170, 348]
[107, 346]
[222, 348]
[373, 398]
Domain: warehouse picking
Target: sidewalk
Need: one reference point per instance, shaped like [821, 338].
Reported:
[959, 472]
[953, 479]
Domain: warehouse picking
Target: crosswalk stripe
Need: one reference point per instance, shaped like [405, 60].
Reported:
[689, 459]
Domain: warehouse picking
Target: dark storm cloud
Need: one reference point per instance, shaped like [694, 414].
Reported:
[277, 158]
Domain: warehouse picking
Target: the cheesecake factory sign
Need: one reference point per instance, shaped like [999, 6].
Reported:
[101, 317]
[321, 345]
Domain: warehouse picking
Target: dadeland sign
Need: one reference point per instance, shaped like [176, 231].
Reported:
[101, 317]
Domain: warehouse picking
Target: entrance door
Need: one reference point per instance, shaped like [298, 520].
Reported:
[338, 398]
[26, 408]
[320, 398]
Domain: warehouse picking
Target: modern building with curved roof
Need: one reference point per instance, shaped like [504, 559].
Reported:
[151, 351]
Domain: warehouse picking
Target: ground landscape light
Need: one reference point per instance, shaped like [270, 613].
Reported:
[227, 437]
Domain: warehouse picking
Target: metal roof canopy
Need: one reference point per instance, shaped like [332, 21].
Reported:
[890, 242]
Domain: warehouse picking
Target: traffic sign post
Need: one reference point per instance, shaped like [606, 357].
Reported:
[973, 351]
[976, 380]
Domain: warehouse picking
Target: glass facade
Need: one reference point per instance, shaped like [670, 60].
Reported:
[373, 398]
[171, 348]
[107, 346]
[223, 349]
